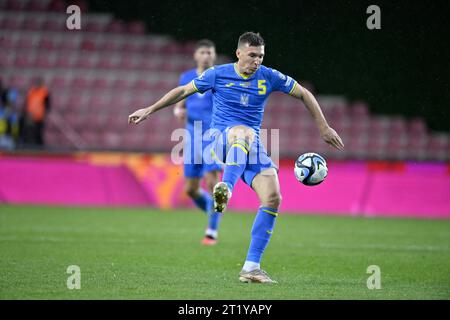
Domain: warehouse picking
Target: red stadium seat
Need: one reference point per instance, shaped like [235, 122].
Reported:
[46, 43]
[110, 45]
[95, 26]
[188, 47]
[357, 145]
[90, 138]
[43, 61]
[117, 121]
[68, 44]
[360, 110]
[76, 103]
[7, 42]
[168, 65]
[25, 42]
[100, 83]
[97, 102]
[136, 27]
[85, 61]
[129, 62]
[171, 48]
[142, 84]
[336, 112]
[377, 146]
[59, 82]
[51, 137]
[187, 65]
[57, 6]
[396, 148]
[398, 126]
[14, 5]
[106, 62]
[416, 147]
[63, 61]
[74, 119]
[59, 102]
[379, 125]
[150, 47]
[133, 139]
[6, 60]
[111, 140]
[121, 84]
[360, 126]
[32, 23]
[439, 143]
[148, 63]
[417, 126]
[131, 46]
[88, 45]
[116, 26]
[53, 25]
[81, 82]
[96, 122]
[36, 5]
[23, 61]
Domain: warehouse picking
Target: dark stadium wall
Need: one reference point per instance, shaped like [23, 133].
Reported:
[403, 68]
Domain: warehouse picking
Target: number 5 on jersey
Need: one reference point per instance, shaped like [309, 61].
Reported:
[262, 87]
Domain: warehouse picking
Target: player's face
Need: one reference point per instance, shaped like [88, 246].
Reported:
[250, 58]
[205, 57]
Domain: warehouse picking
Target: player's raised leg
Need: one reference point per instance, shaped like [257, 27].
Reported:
[239, 140]
[267, 186]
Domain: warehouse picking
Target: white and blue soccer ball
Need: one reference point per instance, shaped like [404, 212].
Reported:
[310, 169]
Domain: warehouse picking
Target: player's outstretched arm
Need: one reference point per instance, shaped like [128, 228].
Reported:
[328, 134]
[173, 96]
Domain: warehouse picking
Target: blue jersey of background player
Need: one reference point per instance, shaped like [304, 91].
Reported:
[196, 111]
[239, 92]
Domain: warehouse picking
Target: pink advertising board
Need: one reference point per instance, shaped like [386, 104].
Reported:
[118, 179]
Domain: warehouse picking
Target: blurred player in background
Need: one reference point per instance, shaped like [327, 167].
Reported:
[240, 91]
[196, 111]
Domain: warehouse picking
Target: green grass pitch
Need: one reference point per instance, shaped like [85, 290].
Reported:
[154, 254]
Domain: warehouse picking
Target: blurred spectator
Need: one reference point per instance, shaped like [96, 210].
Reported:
[9, 120]
[37, 105]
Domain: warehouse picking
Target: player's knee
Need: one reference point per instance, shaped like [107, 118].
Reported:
[273, 200]
[241, 133]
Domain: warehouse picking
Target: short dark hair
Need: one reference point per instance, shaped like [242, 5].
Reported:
[204, 43]
[251, 38]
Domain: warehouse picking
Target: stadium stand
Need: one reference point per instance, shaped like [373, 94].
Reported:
[97, 75]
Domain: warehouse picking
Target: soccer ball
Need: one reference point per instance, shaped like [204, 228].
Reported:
[310, 169]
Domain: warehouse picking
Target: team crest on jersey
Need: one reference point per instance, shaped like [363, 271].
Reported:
[244, 99]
